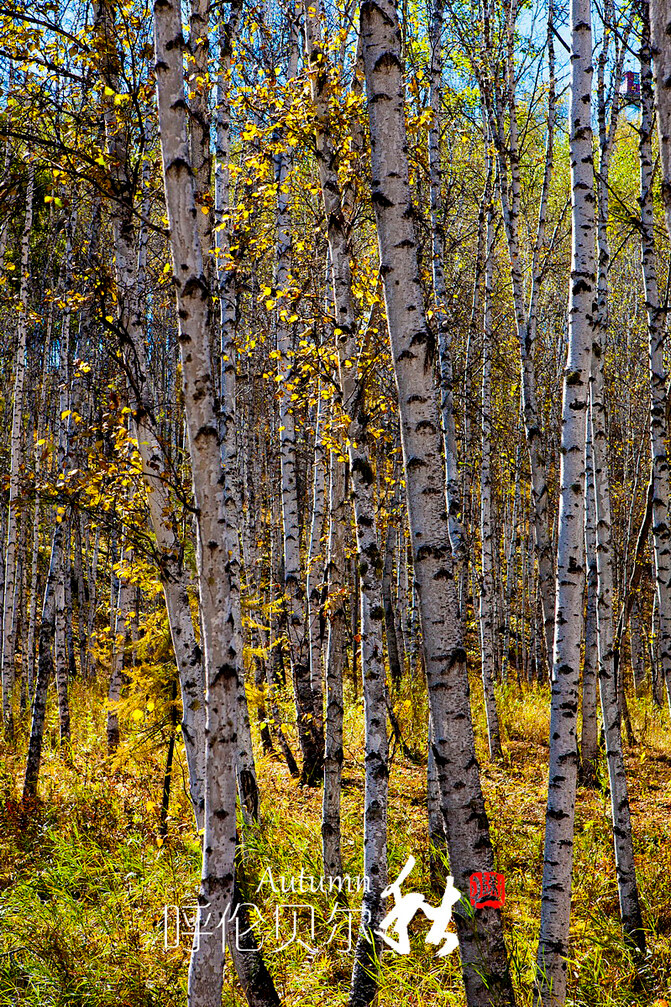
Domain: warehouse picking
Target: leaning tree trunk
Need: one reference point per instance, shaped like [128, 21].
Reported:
[8, 642]
[173, 572]
[551, 971]
[485, 965]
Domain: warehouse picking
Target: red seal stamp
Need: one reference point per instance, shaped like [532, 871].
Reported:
[487, 889]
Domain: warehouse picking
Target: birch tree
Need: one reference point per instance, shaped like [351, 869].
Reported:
[551, 966]
[16, 460]
[482, 946]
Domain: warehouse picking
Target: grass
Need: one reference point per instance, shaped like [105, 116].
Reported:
[84, 878]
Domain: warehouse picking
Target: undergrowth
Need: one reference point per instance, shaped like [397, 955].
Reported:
[85, 877]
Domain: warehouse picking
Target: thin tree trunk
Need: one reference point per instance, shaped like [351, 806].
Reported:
[487, 647]
[45, 669]
[656, 314]
[369, 559]
[15, 464]
[311, 746]
[335, 657]
[315, 564]
[589, 734]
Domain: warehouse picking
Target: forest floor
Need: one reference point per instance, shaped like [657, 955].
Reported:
[85, 878]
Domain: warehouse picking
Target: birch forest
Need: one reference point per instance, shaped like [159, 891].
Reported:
[335, 593]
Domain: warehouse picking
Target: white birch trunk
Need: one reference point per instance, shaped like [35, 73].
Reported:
[510, 189]
[659, 13]
[482, 947]
[487, 638]
[454, 501]
[335, 656]
[589, 734]
[551, 972]
[15, 463]
[656, 315]
[369, 558]
[245, 769]
[217, 617]
[314, 581]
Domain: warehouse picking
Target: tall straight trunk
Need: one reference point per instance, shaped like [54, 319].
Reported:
[93, 600]
[659, 16]
[630, 910]
[487, 639]
[510, 587]
[310, 742]
[199, 127]
[63, 572]
[656, 315]
[393, 654]
[589, 733]
[335, 659]
[123, 608]
[245, 769]
[551, 970]
[45, 668]
[448, 412]
[483, 953]
[221, 660]
[315, 565]
[636, 647]
[368, 556]
[15, 463]
[35, 550]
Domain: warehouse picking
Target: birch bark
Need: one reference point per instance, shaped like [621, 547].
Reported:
[45, 669]
[369, 559]
[608, 686]
[487, 638]
[246, 770]
[335, 655]
[589, 735]
[482, 947]
[219, 639]
[659, 15]
[656, 314]
[551, 966]
[156, 469]
[15, 463]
